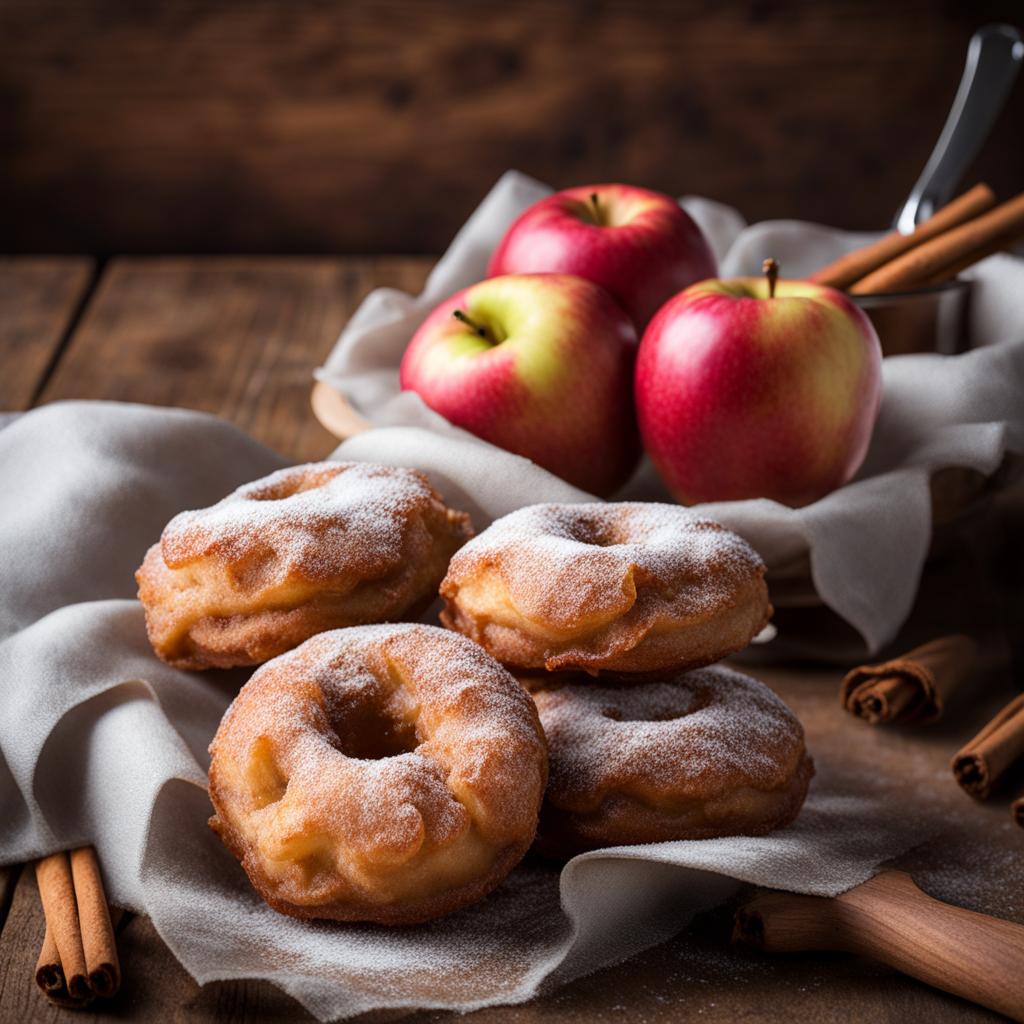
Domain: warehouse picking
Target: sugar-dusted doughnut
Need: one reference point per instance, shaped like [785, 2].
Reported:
[386, 773]
[307, 549]
[629, 587]
[669, 756]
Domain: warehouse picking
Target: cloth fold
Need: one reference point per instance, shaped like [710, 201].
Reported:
[866, 543]
[102, 743]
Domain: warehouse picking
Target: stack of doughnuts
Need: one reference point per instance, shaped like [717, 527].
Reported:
[608, 614]
[377, 769]
[372, 769]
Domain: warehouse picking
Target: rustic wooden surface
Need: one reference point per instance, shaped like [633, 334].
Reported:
[240, 337]
[191, 126]
[39, 299]
[234, 336]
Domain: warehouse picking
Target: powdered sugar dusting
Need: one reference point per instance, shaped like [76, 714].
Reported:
[382, 741]
[320, 520]
[693, 734]
[563, 561]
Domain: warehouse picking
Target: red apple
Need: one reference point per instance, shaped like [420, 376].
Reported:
[750, 388]
[639, 245]
[538, 364]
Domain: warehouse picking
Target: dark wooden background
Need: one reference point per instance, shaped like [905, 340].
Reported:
[136, 126]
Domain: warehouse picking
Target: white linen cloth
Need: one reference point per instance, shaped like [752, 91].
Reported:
[100, 742]
[867, 541]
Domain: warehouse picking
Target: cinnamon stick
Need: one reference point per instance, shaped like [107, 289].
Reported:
[853, 266]
[50, 977]
[981, 763]
[912, 688]
[79, 956]
[94, 918]
[948, 272]
[57, 892]
[1017, 810]
[934, 260]
[49, 972]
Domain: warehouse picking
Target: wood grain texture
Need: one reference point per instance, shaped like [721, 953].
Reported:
[8, 880]
[377, 125]
[239, 337]
[38, 298]
[888, 918]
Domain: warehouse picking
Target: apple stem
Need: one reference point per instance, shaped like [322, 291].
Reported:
[470, 322]
[771, 271]
[597, 209]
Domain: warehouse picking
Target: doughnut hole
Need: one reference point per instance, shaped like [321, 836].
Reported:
[370, 727]
[678, 707]
[597, 533]
[290, 485]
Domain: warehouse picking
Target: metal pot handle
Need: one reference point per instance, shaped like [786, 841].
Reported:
[994, 58]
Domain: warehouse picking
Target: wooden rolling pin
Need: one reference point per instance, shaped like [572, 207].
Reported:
[888, 918]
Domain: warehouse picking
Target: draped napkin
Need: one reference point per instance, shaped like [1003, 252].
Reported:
[102, 743]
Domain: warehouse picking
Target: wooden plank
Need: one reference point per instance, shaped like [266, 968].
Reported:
[377, 125]
[20, 942]
[239, 337]
[8, 880]
[38, 299]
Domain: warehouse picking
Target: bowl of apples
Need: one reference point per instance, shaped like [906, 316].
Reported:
[600, 327]
[581, 343]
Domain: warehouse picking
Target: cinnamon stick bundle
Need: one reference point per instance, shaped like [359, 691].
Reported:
[57, 892]
[844, 271]
[981, 763]
[913, 688]
[78, 960]
[943, 256]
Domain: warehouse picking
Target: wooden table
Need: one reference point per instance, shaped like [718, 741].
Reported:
[240, 337]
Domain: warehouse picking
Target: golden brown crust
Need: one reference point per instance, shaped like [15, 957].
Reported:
[308, 549]
[664, 757]
[386, 773]
[626, 587]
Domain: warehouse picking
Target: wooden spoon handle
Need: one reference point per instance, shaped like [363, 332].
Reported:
[890, 919]
[335, 413]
